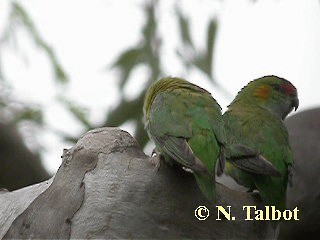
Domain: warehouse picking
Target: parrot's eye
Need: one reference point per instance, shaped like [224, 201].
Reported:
[276, 87]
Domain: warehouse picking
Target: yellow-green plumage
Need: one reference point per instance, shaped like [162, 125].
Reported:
[186, 125]
[255, 118]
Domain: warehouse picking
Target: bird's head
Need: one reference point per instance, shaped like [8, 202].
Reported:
[162, 85]
[276, 94]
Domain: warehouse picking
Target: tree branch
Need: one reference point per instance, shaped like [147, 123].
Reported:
[107, 187]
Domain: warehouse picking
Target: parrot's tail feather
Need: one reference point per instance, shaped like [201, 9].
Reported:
[207, 186]
[221, 162]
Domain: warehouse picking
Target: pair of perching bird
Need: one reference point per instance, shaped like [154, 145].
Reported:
[188, 128]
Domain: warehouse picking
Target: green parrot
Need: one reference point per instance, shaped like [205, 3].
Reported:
[186, 124]
[255, 118]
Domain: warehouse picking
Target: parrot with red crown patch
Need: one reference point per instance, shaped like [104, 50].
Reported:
[255, 118]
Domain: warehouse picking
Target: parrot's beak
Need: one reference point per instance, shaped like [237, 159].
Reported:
[295, 103]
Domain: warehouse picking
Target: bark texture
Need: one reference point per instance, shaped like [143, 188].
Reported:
[304, 133]
[107, 187]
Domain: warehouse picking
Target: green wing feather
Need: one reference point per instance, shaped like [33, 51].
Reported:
[183, 123]
[268, 135]
[186, 115]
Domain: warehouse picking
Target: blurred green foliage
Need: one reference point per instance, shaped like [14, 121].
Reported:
[20, 19]
[147, 53]
[20, 166]
[11, 109]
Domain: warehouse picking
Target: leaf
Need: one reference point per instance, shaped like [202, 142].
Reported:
[30, 114]
[149, 30]
[19, 14]
[126, 110]
[79, 112]
[202, 63]
[211, 36]
[147, 52]
[126, 62]
[181, 54]
[204, 59]
[184, 28]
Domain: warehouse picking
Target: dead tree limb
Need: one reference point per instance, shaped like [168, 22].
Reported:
[107, 187]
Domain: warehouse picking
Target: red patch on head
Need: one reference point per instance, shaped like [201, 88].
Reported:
[288, 89]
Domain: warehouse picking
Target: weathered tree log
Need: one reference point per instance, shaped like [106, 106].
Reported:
[107, 187]
[304, 133]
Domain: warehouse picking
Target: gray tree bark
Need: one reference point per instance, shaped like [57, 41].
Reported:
[107, 187]
[304, 133]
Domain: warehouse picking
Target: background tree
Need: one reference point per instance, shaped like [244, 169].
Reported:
[21, 120]
[27, 115]
[19, 165]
